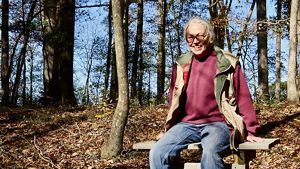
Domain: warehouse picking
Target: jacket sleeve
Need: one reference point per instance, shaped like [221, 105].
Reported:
[244, 102]
[172, 84]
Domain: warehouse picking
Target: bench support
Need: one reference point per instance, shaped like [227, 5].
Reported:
[242, 159]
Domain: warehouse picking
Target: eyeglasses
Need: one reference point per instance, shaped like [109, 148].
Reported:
[199, 37]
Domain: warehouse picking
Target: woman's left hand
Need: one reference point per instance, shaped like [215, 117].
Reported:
[252, 138]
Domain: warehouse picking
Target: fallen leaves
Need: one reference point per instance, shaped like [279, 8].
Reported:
[72, 137]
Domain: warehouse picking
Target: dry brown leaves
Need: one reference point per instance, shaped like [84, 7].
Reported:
[72, 137]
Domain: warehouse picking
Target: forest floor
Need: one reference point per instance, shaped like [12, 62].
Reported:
[60, 137]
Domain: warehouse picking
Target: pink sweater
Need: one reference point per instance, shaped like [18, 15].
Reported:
[201, 106]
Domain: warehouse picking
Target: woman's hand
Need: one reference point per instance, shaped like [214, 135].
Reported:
[252, 138]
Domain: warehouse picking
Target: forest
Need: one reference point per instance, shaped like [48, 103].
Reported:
[81, 81]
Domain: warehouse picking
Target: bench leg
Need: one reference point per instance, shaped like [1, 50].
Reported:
[242, 159]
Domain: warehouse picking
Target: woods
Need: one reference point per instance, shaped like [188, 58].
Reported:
[120, 53]
[149, 52]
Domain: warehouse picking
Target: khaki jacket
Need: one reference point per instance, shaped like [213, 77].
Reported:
[224, 92]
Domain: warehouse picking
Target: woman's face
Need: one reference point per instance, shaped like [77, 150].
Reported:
[197, 38]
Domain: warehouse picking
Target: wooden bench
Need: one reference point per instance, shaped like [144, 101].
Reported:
[247, 152]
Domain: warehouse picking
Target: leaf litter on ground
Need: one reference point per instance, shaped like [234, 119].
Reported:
[71, 137]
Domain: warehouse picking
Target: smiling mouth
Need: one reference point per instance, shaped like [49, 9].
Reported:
[197, 47]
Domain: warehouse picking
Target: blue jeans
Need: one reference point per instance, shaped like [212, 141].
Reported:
[214, 139]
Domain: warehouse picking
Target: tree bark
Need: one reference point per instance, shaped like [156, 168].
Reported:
[67, 27]
[141, 79]
[108, 59]
[138, 43]
[59, 20]
[292, 94]
[114, 144]
[278, 51]
[113, 93]
[161, 58]
[218, 21]
[263, 86]
[31, 77]
[50, 53]
[177, 27]
[5, 54]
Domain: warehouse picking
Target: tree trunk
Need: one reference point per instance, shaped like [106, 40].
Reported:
[113, 93]
[176, 24]
[141, 79]
[114, 144]
[263, 86]
[50, 53]
[24, 100]
[244, 32]
[278, 51]
[67, 27]
[5, 54]
[161, 58]
[125, 5]
[292, 94]
[59, 20]
[218, 21]
[31, 77]
[138, 43]
[108, 59]
[88, 71]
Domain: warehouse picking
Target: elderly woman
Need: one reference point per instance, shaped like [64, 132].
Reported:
[209, 102]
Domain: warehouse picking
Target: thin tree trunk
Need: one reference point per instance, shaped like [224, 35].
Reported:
[227, 33]
[5, 54]
[292, 94]
[278, 51]
[87, 82]
[218, 21]
[114, 144]
[113, 93]
[141, 75]
[138, 42]
[244, 31]
[31, 77]
[24, 84]
[161, 51]
[176, 25]
[262, 46]
[108, 59]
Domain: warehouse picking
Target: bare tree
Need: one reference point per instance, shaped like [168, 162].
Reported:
[114, 144]
[5, 53]
[263, 79]
[292, 94]
[21, 60]
[108, 59]
[244, 32]
[161, 58]
[278, 51]
[138, 43]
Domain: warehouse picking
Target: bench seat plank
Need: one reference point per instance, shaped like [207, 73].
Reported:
[266, 144]
[146, 145]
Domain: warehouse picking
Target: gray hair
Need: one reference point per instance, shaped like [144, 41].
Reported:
[209, 30]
